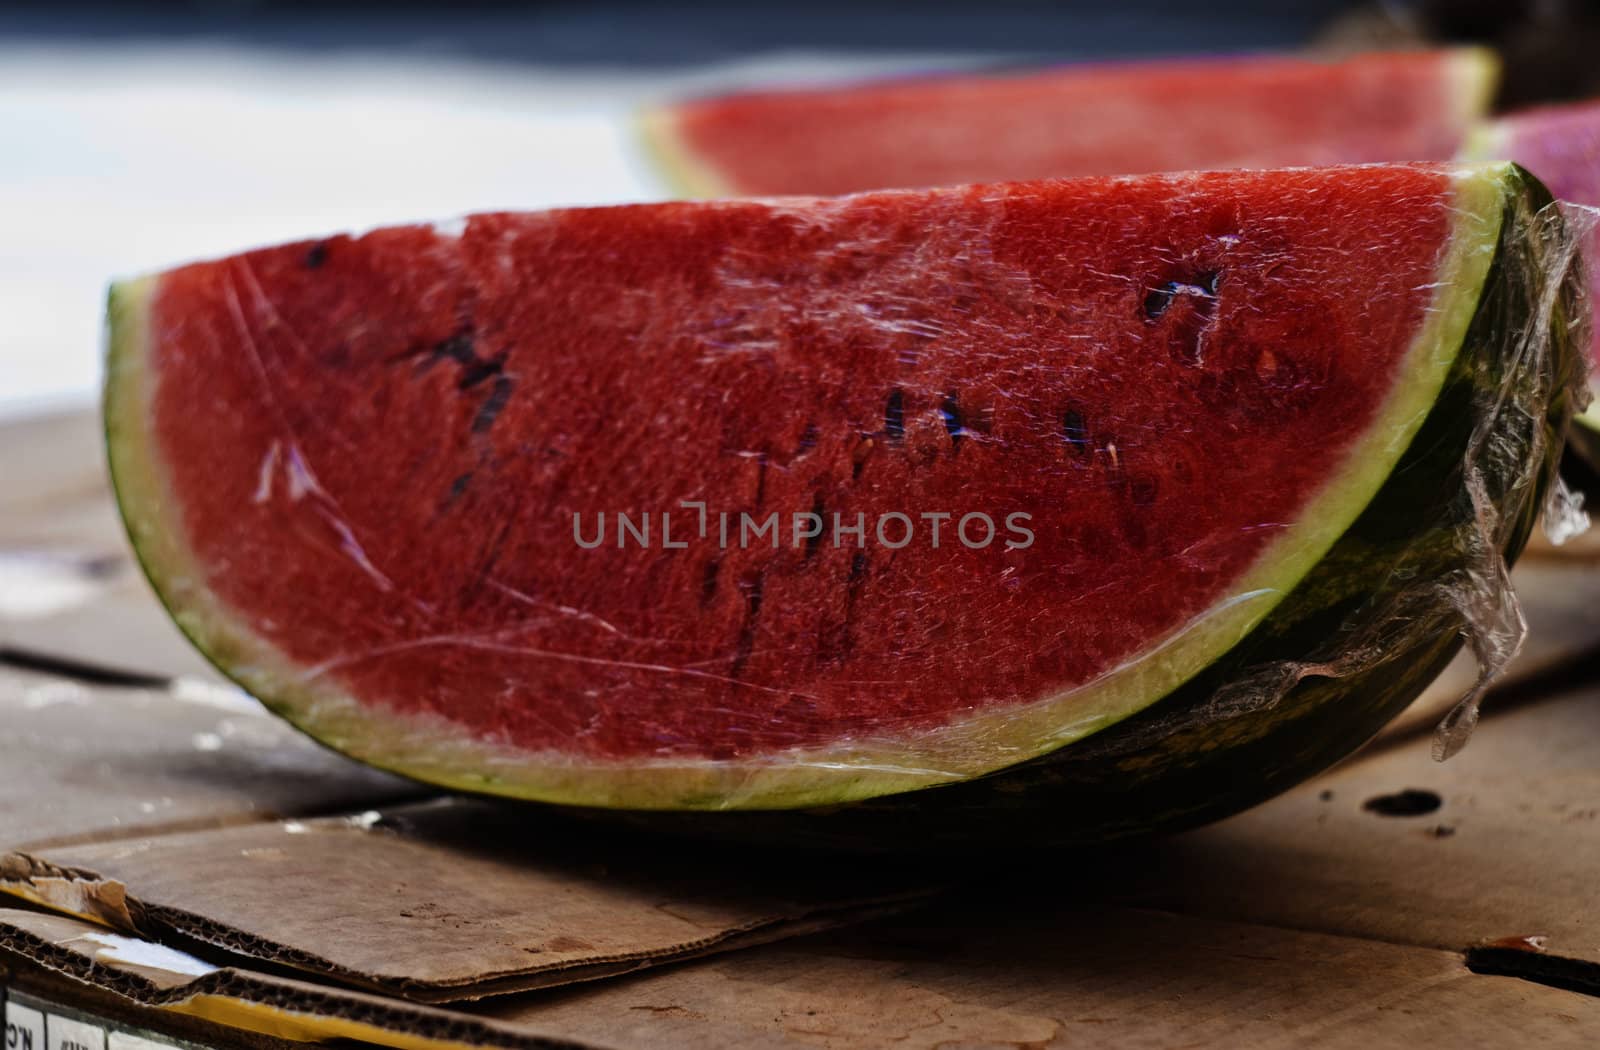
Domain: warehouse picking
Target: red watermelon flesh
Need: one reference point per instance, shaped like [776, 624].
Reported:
[1251, 112]
[1561, 145]
[353, 467]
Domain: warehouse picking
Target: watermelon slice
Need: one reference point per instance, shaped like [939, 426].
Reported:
[1253, 112]
[1192, 437]
[1560, 144]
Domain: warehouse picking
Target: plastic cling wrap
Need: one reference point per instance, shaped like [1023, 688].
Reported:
[1561, 315]
[1561, 145]
[1102, 505]
[1464, 587]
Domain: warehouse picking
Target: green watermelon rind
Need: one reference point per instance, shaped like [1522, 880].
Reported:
[1422, 570]
[437, 752]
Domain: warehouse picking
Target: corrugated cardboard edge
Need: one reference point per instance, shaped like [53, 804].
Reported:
[161, 923]
[87, 896]
[279, 1007]
[31, 986]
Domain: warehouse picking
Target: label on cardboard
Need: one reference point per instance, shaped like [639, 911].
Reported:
[24, 1027]
[69, 1034]
[43, 1027]
[129, 1041]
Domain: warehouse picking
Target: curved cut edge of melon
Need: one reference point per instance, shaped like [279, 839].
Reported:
[686, 173]
[1471, 75]
[438, 752]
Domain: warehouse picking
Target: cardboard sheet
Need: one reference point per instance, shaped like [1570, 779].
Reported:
[35, 997]
[64, 957]
[1033, 976]
[190, 812]
[1027, 973]
[1506, 868]
[455, 899]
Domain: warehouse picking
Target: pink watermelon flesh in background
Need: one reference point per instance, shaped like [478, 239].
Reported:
[1561, 146]
[1089, 120]
[352, 467]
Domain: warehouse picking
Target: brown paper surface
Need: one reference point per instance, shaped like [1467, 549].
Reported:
[1509, 861]
[1018, 974]
[458, 899]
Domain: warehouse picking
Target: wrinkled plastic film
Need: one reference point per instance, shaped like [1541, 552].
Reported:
[1565, 513]
[1476, 599]
[1492, 619]
[1481, 592]
[1511, 439]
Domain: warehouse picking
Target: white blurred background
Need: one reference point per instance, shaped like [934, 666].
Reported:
[137, 136]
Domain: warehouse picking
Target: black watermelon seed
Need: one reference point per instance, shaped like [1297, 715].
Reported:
[1074, 431]
[951, 410]
[894, 415]
[499, 394]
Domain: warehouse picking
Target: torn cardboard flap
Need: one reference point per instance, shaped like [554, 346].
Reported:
[459, 899]
[58, 936]
[76, 893]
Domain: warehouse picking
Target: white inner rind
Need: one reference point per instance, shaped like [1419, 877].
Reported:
[441, 752]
